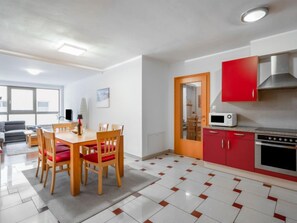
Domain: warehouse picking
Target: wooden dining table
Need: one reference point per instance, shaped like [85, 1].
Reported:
[75, 141]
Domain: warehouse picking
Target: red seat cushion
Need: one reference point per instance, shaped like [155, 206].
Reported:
[61, 144]
[59, 149]
[93, 157]
[94, 146]
[63, 156]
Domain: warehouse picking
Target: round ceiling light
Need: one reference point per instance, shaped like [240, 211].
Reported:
[33, 71]
[254, 15]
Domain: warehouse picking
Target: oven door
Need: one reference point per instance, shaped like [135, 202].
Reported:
[276, 157]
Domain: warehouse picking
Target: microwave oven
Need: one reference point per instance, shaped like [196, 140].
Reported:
[223, 119]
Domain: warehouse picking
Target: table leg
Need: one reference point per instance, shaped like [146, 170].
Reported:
[121, 156]
[74, 170]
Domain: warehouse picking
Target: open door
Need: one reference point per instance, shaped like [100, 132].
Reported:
[191, 108]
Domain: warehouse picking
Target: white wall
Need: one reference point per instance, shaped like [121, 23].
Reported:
[154, 106]
[125, 83]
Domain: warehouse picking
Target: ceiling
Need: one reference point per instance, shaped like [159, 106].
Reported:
[113, 31]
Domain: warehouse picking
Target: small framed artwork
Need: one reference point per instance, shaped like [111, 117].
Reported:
[103, 97]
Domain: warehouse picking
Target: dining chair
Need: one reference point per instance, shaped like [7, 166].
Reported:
[42, 152]
[107, 155]
[118, 127]
[54, 159]
[63, 127]
[102, 127]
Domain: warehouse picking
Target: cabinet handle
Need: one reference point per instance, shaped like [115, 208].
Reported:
[228, 144]
[239, 134]
[213, 132]
[222, 143]
[253, 93]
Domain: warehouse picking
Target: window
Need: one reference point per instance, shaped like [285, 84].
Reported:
[35, 106]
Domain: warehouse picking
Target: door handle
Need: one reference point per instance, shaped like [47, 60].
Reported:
[222, 143]
[228, 144]
[213, 132]
[253, 93]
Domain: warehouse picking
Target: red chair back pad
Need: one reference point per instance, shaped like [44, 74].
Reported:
[109, 142]
[50, 144]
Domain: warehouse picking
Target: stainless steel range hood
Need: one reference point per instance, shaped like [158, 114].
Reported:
[280, 77]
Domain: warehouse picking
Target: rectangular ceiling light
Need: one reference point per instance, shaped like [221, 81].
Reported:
[73, 50]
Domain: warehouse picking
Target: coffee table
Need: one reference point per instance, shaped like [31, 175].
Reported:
[31, 138]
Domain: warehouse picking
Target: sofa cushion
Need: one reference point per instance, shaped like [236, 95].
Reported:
[14, 132]
[2, 126]
[14, 125]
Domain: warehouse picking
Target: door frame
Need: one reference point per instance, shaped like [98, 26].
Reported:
[184, 146]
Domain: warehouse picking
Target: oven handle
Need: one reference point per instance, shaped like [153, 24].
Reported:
[274, 145]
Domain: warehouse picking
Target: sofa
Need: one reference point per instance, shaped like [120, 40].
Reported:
[13, 131]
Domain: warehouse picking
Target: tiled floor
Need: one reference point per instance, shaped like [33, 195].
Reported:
[186, 192]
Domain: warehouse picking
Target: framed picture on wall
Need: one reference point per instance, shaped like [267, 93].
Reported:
[102, 98]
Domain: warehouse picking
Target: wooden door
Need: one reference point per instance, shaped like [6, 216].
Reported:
[191, 108]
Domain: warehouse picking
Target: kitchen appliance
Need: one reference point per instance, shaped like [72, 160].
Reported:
[280, 76]
[223, 119]
[276, 150]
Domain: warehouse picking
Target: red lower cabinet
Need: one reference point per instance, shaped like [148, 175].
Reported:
[234, 149]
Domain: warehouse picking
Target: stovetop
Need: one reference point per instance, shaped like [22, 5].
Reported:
[277, 131]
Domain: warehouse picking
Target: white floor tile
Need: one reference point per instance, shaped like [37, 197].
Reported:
[257, 203]
[122, 218]
[192, 187]
[247, 215]
[10, 201]
[284, 194]
[141, 208]
[286, 209]
[38, 202]
[222, 194]
[18, 213]
[3, 191]
[218, 210]
[169, 182]
[44, 217]
[121, 203]
[173, 215]
[223, 182]
[198, 177]
[156, 192]
[288, 220]
[184, 201]
[253, 187]
[101, 217]
[202, 169]
[206, 219]
[225, 175]
[174, 173]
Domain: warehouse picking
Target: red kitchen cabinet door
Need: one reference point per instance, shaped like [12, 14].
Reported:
[213, 146]
[239, 79]
[240, 150]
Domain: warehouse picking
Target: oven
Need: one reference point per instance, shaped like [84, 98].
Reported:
[276, 153]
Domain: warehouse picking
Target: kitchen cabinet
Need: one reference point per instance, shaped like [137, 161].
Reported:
[239, 79]
[231, 148]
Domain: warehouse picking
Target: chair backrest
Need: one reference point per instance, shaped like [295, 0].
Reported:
[118, 127]
[103, 127]
[40, 141]
[50, 144]
[109, 143]
[63, 127]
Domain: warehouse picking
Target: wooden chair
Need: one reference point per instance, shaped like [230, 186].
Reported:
[54, 159]
[118, 127]
[63, 127]
[107, 155]
[103, 127]
[42, 152]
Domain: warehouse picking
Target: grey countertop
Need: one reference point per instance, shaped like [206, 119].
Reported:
[292, 133]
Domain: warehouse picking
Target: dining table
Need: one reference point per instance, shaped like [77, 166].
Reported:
[75, 141]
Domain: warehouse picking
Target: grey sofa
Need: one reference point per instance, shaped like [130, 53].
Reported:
[13, 131]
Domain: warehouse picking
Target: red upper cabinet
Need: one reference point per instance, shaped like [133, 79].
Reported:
[239, 79]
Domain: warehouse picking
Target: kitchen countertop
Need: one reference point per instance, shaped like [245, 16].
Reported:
[292, 133]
